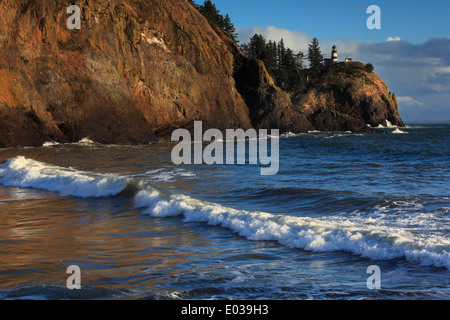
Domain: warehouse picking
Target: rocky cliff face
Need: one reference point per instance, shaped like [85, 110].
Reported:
[133, 70]
[346, 97]
[136, 70]
[339, 97]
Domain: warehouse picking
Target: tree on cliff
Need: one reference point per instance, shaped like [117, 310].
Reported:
[315, 56]
[281, 62]
[271, 61]
[257, 48]
[229, 27]
[288, 75]
[370, 68]
[209, 10]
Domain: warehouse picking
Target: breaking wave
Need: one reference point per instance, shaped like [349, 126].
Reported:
[371, 238]
[387, 124]
[50, 144]
[383, 233]
[398, 131]
[28, 173]
[82, 142]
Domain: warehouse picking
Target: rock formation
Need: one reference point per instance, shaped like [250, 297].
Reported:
[136, 70]
[338, 97]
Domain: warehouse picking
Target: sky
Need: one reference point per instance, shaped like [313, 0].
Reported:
[411, 51]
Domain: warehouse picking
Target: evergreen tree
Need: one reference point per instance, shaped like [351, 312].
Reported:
[281, 53]
[281, 62]
[271, 57]
[212, 14]
[257, 47]
[290, 68]
[315, 56]
[229, 27]
[281, 76]
[369, 67]
[299, 60]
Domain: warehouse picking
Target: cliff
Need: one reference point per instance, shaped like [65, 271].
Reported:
[136, 70]
[339, 97]
[347, 97]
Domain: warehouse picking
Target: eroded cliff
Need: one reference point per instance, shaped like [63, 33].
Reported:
[338, 97]
[133, 70]
[138, 69]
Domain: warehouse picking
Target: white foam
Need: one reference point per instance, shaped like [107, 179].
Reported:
[389, 124]
[336, 135]
[290, 135]
[167, 174]
[50, 144]
[26, 173]
[386, 124]
[414, 127]
[86, 141]
[248, 139]
[373, 237]
[82, 142]
[398, 131]
[398, 229]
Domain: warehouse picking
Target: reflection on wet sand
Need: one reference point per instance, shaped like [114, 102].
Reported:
[40, 238]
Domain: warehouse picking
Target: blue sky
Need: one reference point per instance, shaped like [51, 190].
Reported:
[416, 65]
[413, 21]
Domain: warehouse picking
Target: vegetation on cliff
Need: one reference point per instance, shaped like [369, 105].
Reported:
[336, 96]
[315, 55]
[339, 96]
[209, 10]
[281, 62]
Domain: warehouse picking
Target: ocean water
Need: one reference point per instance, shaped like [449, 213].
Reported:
[140, 227]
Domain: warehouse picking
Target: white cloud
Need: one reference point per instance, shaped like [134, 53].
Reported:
[415, 72]
[419, 74]
[393, 39]
[346, 48]
[299, 41]
[409, 101]
[295, 40]
[443, 70]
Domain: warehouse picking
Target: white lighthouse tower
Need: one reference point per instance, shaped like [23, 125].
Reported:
[334, 55]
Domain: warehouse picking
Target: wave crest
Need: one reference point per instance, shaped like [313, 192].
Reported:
[28, 173]
[371, 239]
[375, 235]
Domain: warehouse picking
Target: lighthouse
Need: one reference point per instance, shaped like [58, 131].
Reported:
[334, 55]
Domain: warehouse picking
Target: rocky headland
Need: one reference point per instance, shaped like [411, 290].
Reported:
[137, 70]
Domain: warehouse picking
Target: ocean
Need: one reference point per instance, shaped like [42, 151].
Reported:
[139, 227]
